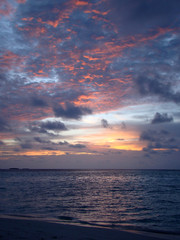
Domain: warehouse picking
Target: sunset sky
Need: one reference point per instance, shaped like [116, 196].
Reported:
[90, 84]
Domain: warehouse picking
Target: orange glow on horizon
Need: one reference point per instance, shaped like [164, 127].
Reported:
[130, 147]
[43, 153]
[110, 138]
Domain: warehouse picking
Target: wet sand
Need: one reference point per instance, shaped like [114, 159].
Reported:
[12, 228]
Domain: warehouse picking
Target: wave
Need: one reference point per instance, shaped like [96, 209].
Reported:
[116, 225]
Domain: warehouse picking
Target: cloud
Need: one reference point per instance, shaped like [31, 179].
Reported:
[26, 145]
[38, 129]
[38, 102]
[5, 8]
[159, 140]
[105, 123]
[113, 152]
[57, 125]
[38, 139]
[45, 127]
[63, 143]
[141, 16]
[123, 125]
[161, 118]
[148, 135]
[77, 145]
[4, 127]
[48, 148]
[148, 85]
[70, 111]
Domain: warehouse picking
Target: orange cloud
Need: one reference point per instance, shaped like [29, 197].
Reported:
[61, 17]
[111, 49]
[10, 59]
[34, 31]
[160, 32]
[99, 18]
[91, 58]
[28, 19]
[40, 73]
[100, 13]
[81, 3]
[85, 100]
[98, 38]
[96, 12]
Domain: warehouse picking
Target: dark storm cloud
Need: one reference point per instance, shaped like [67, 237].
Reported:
[161, 118]
[148, 135]
[157, 140]
[68, 94]
[123, 125]
[56, 125]
[77, 145]
[48, 148]
[113, 152]
[155, 85]
[63, 143]
[38, 102]
[164, 132]
[26, 145]
[140, 16]
[34, 8]
[38, 129]
[70, 111]
[45, 127]
[120, 139]
[39, 140]
[169, 149]
[4, 127]
[105, 123]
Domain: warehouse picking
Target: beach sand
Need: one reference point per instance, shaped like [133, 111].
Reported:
[12, 228]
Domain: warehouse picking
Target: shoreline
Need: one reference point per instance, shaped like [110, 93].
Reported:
[16, 228]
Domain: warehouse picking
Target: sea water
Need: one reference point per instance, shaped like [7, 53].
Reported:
[146, 200]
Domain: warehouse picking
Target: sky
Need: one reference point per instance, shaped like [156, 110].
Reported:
[90, 84]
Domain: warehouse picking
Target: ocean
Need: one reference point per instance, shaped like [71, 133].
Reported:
[144, 200]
